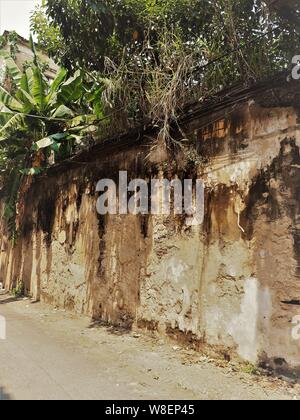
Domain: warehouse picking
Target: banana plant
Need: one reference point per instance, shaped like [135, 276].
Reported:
[39, 119]
[43, 107]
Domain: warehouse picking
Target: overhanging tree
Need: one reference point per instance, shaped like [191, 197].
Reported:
[90, 30]
[156, 55]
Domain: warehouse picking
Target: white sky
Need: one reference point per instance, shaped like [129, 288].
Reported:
[14, 15]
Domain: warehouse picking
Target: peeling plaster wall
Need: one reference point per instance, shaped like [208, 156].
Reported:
[232, 283]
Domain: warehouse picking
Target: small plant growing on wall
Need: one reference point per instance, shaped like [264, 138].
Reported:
[19, 290]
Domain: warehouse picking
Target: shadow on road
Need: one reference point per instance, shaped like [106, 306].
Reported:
[114, 330]
[7, 299]
[4, 396]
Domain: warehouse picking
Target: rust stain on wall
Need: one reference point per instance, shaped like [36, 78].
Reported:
[232, 283]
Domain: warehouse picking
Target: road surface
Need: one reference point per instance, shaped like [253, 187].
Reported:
[54, 355]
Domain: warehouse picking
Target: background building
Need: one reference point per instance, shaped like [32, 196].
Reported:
[24, 53]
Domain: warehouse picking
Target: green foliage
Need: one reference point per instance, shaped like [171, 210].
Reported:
[39, 120]
[77, 34]
[10, 39]
[153, 56]
[84, 32]
[19, 291]
[250, 369]
[49, 37]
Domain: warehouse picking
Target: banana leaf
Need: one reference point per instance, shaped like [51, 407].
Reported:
[9, 101]
[12, 125]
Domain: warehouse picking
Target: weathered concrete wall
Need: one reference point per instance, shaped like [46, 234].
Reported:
[232, 283]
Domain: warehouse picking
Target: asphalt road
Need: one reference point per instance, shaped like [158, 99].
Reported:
[53, 355]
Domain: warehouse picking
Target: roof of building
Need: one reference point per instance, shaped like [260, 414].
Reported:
[25, 43]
